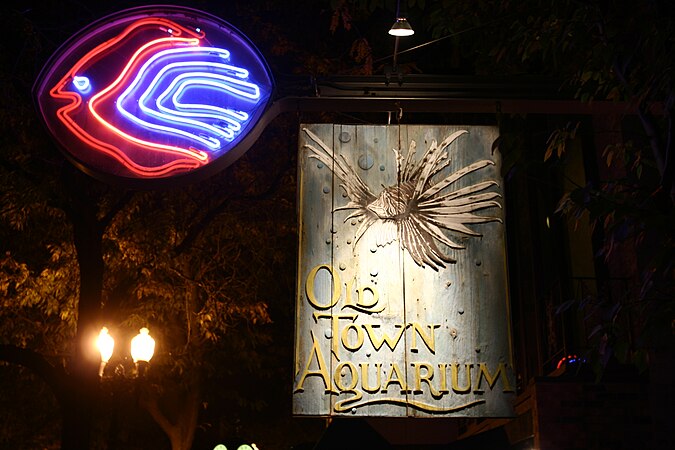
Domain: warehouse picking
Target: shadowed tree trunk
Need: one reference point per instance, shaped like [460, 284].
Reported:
[180, 430]
[180, 416]
[83, 368]
[72, 399]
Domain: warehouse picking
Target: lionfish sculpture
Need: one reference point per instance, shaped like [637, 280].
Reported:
[416, 209]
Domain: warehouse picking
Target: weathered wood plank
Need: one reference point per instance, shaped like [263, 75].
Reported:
[386, 324]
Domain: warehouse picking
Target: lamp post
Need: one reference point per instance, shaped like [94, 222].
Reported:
[142, 349]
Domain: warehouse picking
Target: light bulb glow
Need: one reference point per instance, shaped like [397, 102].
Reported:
[174, 100]
[142, 346]
[105, 344]
[401, 28]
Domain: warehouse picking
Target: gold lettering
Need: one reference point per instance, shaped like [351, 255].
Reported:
[483, 372]
[343, 405]
[339, 375]
[322, 370]
[427, 377]
[364, 377]
[362, 303]
[377, 342]
[443, 371]
[455, 379]
[345, 337]
[429, 339]
[335, 329]
[309, 287]
[395, 377]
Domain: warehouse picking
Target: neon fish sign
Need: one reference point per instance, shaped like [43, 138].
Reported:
[153, 93]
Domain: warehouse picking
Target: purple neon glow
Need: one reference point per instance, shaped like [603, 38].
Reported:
[153, 93]
[177, 91]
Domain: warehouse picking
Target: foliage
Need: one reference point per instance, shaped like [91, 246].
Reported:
[199, 265]
[22, 427]
[208, 267]
[633, 215]
[598, 51]
[33, 308]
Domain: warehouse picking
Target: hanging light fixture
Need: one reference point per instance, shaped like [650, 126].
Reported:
[401, 28]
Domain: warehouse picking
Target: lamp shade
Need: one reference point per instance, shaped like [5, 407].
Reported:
[142, 346]
[105, 344]
[401, 28]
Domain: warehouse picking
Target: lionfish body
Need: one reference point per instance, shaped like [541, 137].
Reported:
[416, 210]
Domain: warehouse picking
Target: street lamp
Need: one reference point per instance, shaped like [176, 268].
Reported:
[105, 344]
[142, 349]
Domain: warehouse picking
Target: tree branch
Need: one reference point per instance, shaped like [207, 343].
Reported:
[668, 174]
[151, 405]
[196, 230]
[654, 139]
[659, 151]
[180, 433]
[117, 207]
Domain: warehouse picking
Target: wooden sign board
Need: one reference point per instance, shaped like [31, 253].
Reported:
[402, 306]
